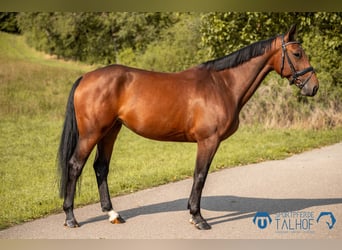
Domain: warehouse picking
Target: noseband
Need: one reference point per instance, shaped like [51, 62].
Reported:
[295, 74]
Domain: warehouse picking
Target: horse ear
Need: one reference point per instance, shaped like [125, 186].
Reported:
[291, 35]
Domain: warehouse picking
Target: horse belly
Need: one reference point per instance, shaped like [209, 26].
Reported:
[158, 123]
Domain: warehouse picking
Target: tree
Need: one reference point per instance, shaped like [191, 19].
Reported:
[8, 22]
[324, 44]
[225, 32]
[93, 37]
[178, 48]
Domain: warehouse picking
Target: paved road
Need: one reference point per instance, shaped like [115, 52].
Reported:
[293, 192]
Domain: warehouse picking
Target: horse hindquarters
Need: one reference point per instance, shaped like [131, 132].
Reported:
[73, 153]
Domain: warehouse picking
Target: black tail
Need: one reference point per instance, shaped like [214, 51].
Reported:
[68, 142]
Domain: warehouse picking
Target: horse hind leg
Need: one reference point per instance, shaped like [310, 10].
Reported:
[75, 167]
[101, 168]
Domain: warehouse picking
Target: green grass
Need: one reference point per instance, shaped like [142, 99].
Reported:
[33, 94]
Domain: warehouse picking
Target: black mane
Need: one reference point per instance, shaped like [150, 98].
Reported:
[240, 56]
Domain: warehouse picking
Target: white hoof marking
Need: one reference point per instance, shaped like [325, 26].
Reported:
[112, 215]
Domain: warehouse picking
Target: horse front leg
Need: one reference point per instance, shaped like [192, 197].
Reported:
[205, 153]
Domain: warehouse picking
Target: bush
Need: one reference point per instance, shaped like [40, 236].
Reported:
[178, 49]
[92, 37]
[276, 104]
[8, 22]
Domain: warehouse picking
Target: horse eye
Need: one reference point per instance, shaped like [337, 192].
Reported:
[297, 54]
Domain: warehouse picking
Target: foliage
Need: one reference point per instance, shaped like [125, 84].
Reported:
[8, 22]
[149, 38]
[225, 32]
[324, 44]
[276, 104]
[177, 49]
[92, 37]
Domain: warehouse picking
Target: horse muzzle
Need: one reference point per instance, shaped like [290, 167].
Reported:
[309, 91]
[309, 86]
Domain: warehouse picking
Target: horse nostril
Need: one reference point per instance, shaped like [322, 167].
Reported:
[314, 91]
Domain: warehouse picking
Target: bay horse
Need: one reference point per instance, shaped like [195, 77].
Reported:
[200, 105]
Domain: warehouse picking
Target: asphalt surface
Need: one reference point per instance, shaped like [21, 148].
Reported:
[293, 192]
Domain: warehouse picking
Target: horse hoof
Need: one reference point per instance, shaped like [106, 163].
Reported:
[201, 225]
[118, 220]
[71, 224]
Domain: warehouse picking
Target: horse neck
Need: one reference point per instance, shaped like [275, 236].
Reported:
[244, 79]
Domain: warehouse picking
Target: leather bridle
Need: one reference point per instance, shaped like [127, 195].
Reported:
[295, 74]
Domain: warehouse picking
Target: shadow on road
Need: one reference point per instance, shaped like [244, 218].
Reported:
[236, 207]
